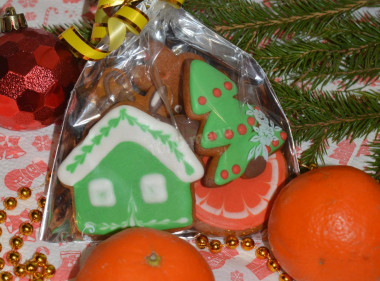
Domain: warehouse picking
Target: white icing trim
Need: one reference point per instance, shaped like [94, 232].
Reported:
[91, 227]
[234, 215]
[275, 178]
[126, 132]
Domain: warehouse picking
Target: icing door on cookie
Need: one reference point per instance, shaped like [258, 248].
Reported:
[131, 189]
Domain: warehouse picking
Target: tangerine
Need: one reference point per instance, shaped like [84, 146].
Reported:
[145, 254]
[324, 225]
[239, 206]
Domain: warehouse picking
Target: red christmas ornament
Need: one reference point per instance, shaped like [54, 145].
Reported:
[37, 73]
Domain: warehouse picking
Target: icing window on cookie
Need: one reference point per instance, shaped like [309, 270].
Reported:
[153, 189]
[101, 193]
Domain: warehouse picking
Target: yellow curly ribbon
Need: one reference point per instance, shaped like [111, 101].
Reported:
[101, 18]
[175, 3]
[127, 18]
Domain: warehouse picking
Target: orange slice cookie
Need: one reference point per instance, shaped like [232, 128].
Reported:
[239, 207]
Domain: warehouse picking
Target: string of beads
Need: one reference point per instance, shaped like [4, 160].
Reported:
[37, 268]
[247, 243]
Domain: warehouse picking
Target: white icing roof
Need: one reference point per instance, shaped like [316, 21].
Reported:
[127, 132]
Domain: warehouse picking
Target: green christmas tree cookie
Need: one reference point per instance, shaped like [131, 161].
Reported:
[232, 132]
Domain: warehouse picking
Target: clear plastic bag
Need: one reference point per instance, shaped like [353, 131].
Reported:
[177, 129]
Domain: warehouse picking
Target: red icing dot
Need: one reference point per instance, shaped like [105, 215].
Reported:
[268, 148]
[202, 100]
[275, 142]
[251, 121]
[228, 85]
[242, 129]
[211, 136]
[217, 92]
[257, 108]
[236, 169]
[224, 174]
[229, 134]
[283, 135]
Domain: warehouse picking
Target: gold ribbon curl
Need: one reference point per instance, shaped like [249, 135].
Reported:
[127, 18]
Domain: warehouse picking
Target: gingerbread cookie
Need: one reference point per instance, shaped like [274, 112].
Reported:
[233, 133]
[114, 84]
[131, 170]
[241, 206]
[165, 72]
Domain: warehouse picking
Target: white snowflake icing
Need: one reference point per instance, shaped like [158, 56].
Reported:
[264, 133]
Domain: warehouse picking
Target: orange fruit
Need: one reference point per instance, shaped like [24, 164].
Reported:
[139, 254]
[325, 225]
[240, 205]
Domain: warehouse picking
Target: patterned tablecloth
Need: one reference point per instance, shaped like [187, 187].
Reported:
[25, 158]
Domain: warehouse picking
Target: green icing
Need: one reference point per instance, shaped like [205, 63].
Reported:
[133, 121]
[227, 114]
[125, 165]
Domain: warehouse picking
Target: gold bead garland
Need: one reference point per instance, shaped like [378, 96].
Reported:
[36, 268]
[247, 244]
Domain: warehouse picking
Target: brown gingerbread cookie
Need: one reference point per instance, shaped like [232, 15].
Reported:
[116, 85]
[162, 80]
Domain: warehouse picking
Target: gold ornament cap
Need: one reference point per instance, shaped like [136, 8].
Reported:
[12, 21]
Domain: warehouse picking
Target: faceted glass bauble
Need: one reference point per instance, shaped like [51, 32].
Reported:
[37, 73]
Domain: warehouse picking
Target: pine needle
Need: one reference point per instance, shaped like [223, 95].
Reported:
[374, 164]
[324, 115]
[248, 24]
[84, 27]
[350, 55]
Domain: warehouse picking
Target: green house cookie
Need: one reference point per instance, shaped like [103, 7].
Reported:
[131, 170]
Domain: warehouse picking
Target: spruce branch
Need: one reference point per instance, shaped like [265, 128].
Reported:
[319, 116]
[247, 24]
[349, 54]
[84, 27]
[314, 78]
